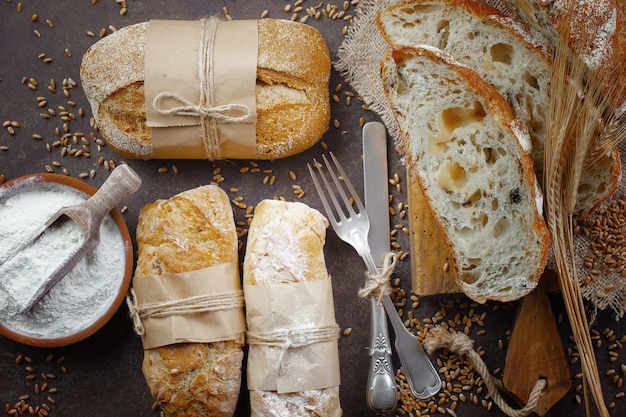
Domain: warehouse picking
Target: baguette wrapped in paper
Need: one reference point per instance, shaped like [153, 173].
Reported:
[187, 303]
[293, 361]
[209, 89]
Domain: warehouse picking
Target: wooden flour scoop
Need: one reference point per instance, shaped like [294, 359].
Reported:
[87, 217]
[535, 351]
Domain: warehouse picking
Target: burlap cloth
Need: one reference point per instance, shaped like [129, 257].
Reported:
[358, 61]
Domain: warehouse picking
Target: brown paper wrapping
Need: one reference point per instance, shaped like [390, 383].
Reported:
[172, 66]
[203, 327]
[292, 307]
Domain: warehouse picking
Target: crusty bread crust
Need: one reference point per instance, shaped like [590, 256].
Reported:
[474, 169]
[593, 32]
[293, 106]
[191, 231]
[596, 34]
[503, 50]
[286, 245]
[597, 186]
[472, 31]
[280, 225]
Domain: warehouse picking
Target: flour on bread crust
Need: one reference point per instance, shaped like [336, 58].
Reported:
[190, 231]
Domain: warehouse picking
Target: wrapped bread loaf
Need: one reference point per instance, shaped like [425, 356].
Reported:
[290, 314]
[193, 231]
[291, 89]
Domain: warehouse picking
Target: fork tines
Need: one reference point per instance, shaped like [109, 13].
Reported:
[339, 181]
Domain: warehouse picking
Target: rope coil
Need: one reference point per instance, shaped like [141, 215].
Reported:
[461, 344]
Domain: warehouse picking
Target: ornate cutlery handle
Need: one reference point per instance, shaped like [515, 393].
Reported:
[381, 392]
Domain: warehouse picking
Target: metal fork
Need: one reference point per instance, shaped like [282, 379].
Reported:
[353, 229]
[381, 393]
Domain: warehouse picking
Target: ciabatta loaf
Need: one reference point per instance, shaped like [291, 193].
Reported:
[472, 162]
[509, 54]
[190, 231]
[286, 246]
[293, 105]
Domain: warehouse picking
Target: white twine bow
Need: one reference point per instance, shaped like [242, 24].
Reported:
[226, 113]
[293, 338]
[379, 284]
[190, 305]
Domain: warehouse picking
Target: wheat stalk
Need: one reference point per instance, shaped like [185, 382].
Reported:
[583, 123]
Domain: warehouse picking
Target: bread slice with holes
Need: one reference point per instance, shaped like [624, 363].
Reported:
[473, 165]
[507, 53]
[595, 31]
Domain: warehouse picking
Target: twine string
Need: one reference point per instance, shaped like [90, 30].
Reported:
[190, 305]
[228, 113]
[210, 114]
[378, 284]
[460, 343]
[292, 338]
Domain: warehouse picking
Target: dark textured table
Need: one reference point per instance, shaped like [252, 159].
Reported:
[101, 376]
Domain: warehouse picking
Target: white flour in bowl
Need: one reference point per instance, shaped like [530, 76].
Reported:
[84, 294]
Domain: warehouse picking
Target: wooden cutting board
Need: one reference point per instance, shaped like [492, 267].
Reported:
[528, 358]
[430, 272]
[535, 351]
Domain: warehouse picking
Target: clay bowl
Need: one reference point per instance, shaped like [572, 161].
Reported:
[41, 326]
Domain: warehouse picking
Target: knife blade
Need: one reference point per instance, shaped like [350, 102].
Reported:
[381, 392]
[376, 189]
[418, 368]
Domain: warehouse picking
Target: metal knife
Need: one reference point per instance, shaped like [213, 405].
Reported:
[418, 368]
[381, 392]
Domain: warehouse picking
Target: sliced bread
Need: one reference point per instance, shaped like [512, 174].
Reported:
[499, 48]
[506, 53]
[472, 162]
[594, 29]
